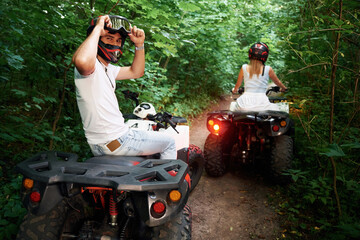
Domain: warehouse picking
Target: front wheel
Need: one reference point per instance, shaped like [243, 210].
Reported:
[282, 151]
[194, 157]
[215, 164]
[196, 164]
[179, 228]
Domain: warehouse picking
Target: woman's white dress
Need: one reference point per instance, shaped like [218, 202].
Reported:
[254, 98]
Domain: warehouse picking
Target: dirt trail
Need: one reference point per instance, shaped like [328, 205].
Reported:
[234, 206]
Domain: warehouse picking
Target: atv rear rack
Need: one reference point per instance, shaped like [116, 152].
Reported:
[117, 172]
[263, 114]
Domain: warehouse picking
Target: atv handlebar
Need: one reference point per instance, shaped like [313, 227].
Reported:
[240, 91]
[167, 119]
[275, 89]
[162, 117]
[158, 117]
[271, 89]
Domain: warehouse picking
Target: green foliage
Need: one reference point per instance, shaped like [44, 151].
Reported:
[11, 212]
[309, 34]
[194, 50]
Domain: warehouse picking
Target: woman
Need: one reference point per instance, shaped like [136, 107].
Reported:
[256, 77]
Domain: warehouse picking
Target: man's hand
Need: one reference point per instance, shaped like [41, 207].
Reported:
[100, 23]
[137, 36]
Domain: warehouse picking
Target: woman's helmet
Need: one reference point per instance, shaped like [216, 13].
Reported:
[259, 51]
[120, 25]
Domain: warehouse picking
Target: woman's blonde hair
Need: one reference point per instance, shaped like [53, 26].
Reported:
[255, 67]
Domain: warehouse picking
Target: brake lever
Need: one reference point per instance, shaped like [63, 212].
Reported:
[167, 119]
[173, 125]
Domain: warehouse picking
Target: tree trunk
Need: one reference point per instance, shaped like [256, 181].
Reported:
[333, 76]
[58, 113]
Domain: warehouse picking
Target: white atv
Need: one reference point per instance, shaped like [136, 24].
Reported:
[145, 117]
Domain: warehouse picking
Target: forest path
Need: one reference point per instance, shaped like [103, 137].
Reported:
[234, 206]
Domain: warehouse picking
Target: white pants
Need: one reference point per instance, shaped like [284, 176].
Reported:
[139, 143]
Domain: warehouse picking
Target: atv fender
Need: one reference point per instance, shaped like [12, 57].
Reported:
[267, 127]
[51, 196]
[183, 154]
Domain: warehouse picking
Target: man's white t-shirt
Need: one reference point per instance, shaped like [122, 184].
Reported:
[99, 109]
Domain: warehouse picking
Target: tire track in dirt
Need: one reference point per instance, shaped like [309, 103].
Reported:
[232, 207]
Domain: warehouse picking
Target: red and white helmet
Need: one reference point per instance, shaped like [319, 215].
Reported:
[259, 51]
[120, 25]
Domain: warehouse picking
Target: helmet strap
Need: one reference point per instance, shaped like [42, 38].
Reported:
[263, 70]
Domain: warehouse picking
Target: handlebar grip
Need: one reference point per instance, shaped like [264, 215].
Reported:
[172, 124]
[240, 91]
[275, 89]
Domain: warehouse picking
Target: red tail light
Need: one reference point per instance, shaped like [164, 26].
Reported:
[213, 127]
[275, 128]
[219, 124]
[35, 197]
[158, 209]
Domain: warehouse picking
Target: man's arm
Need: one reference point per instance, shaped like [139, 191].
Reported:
[85, 56]
[137, 68]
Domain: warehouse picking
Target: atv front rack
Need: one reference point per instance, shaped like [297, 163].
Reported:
[117, 172]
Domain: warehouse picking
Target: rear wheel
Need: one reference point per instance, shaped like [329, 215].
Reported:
[215, 164]
[179, 228]
[281, 157]
[52, 224]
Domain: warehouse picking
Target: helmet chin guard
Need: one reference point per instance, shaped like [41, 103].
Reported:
[109, 53]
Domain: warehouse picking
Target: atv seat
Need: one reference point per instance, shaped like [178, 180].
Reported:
[118, 160]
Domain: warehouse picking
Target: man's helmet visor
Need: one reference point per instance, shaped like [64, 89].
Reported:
[119, 23]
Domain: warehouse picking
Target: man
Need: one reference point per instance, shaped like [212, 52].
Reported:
[104, 126]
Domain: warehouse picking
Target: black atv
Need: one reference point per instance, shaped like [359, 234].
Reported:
[250, 137]
[107, 197]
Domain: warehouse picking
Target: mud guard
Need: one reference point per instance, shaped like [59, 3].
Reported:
[183, 154]
[51, 196]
